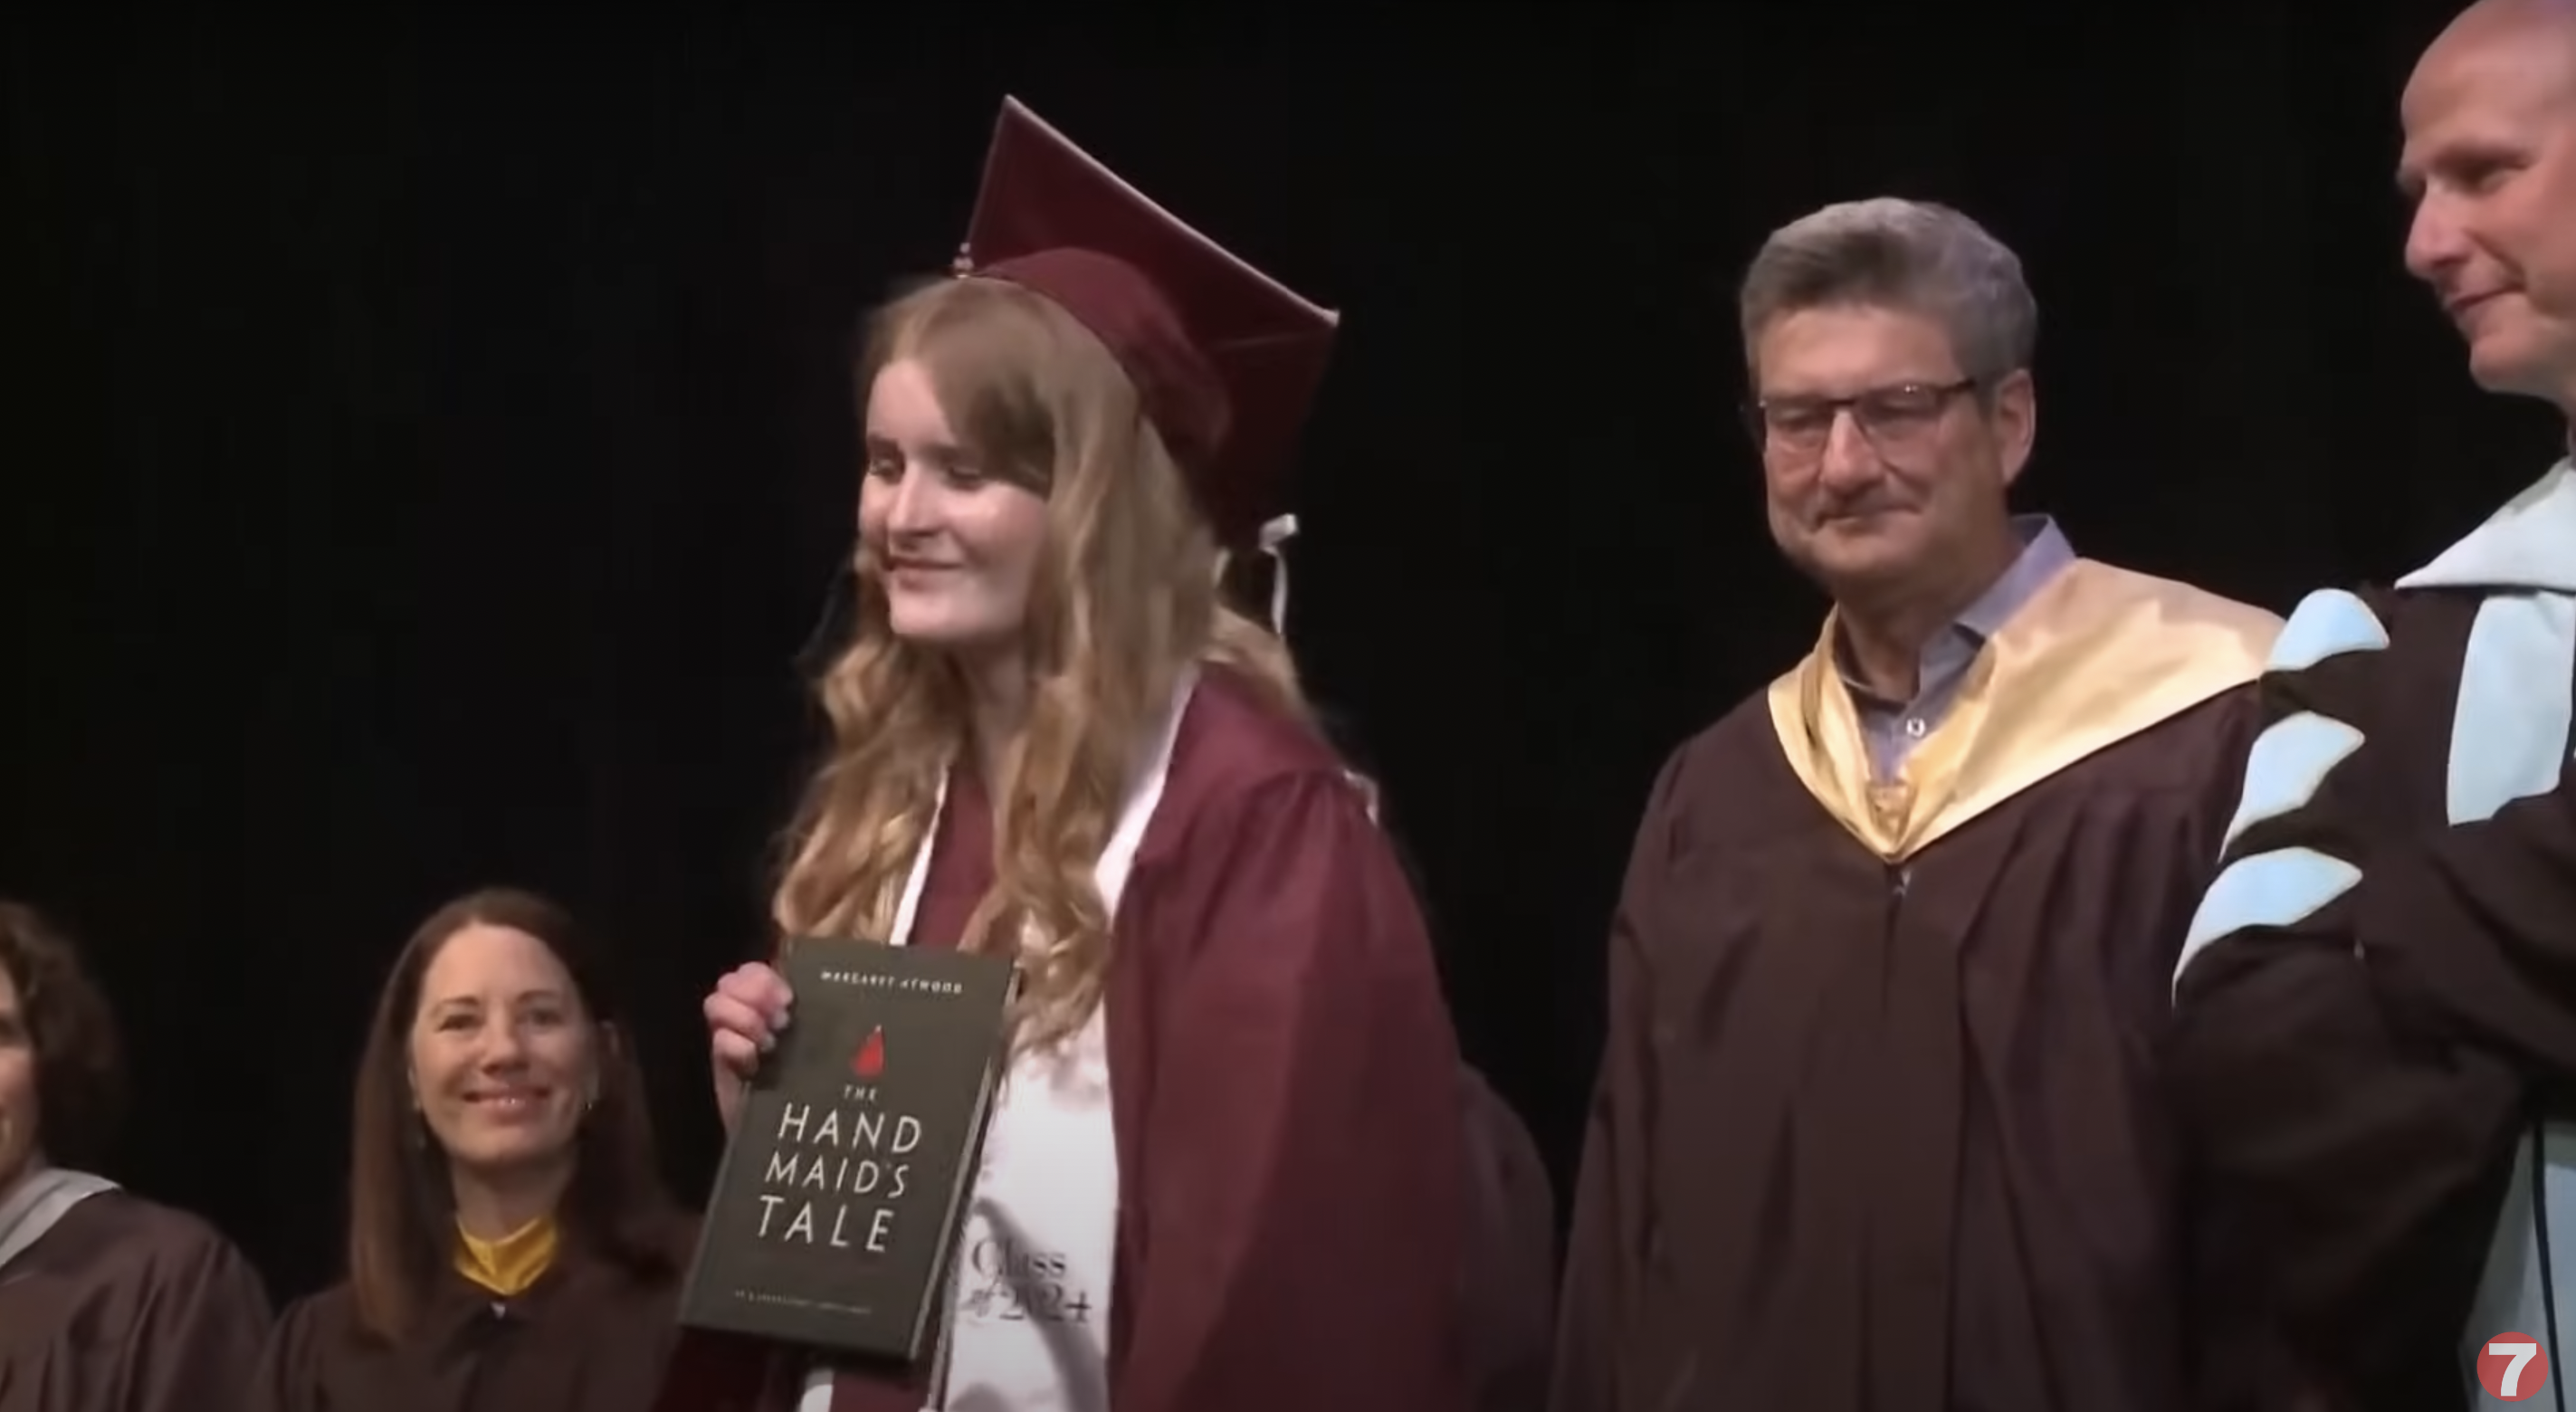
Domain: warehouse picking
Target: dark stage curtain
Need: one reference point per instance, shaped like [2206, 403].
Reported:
[427, 445]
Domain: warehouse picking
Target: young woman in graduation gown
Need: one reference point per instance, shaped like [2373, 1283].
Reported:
[108, 1302]
[510, 1244]
[1231, 1121]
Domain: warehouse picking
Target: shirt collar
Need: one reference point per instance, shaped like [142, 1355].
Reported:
[2045, 551]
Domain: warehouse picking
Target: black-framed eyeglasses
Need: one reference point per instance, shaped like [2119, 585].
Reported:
[1891, 417]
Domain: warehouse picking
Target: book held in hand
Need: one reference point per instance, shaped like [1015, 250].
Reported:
[837, 1208]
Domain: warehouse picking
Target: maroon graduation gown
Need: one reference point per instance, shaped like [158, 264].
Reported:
[587, 1337]
[2360, 1075]
[1884, 1133]
[1284, 1093]
[128, 1306]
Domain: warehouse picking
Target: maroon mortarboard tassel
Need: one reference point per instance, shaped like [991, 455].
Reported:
[1226, 359]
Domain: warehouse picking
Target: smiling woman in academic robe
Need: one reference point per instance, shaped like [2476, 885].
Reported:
[1231, 1129]
[510, 1245]
[108, 1303]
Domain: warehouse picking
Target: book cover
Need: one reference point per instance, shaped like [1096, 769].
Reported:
[837, 1208]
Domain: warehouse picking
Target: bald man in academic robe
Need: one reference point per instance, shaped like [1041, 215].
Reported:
[2376, 1027]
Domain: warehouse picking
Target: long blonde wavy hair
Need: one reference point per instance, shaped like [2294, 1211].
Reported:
[1124, 596]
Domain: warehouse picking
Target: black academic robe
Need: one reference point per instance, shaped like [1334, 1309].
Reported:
[2380, 1002]
[1507, 1281]
[127, 1306]
[1880, 1126]
[1284, 1100]
[590, 1336]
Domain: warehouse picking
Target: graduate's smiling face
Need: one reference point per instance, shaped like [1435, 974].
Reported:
[953, 544]
[504, 1057]
[18, 1114]
[1880, 458]
[2490, 159]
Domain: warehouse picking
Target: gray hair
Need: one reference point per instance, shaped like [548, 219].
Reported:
[1892, 253]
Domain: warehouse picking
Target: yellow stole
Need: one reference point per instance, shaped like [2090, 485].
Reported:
[2096, 656]
[508, 1266]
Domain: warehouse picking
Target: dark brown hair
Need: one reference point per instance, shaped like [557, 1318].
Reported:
[80, 1066]
[402, 1210]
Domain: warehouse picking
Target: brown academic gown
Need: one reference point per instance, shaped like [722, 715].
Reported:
[126, 1306]
[1284, 1094]
[1880, 1127]
[587, 1337]
[2361, 1066]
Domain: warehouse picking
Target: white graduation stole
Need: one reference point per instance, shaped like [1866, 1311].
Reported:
[1029, 1309]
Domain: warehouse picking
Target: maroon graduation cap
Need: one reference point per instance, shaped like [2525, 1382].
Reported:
[1226, 359]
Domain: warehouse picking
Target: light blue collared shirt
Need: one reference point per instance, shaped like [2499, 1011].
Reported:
[1894, 728]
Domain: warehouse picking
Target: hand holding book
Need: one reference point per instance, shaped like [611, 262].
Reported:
[745, 1013]
[853, 1142]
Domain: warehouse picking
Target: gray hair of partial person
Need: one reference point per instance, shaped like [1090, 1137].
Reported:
[1889, 253]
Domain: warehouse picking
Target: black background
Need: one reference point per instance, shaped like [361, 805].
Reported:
[426, 444]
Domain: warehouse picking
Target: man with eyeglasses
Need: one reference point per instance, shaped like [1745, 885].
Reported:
[2376, 1013]
[1879, 1127]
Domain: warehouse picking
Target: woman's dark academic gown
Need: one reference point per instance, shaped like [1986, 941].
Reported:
[127, 1306]
[587, 1337]
[1284, 1095]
